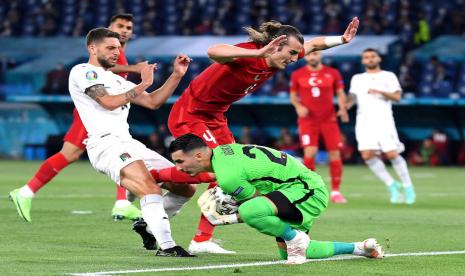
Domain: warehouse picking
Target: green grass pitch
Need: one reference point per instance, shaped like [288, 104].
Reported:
[58, 242]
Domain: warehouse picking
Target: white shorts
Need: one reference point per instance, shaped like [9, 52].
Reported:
[382, 137]
[110, 154]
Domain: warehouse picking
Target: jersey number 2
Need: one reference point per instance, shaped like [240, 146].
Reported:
[278, 160]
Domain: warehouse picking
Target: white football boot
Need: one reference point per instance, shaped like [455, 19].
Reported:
[369, 248]
[297, 248]
[208, 246]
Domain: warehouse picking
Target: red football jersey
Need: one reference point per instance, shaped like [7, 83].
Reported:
[122, 61]
[316, 90]
[219, 85]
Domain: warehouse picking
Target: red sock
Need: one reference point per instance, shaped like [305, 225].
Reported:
[120, 193]
[309, 163]
[335, 170]
[47, 171]
[205, 228]
[173, 175]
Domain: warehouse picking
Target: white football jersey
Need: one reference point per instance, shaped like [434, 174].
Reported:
[374, 108]
[98, 120]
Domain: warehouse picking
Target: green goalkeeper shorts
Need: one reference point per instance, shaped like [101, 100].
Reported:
[311, 203]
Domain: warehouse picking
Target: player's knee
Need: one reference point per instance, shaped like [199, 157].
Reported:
[71, 153]
[252, 211]
[367, 155]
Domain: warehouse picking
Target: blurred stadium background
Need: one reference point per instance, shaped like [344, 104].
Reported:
[423, 42]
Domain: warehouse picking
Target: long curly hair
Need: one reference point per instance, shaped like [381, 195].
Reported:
[270, 30]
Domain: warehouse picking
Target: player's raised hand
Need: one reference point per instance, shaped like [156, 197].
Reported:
[351, 30]
[272, 47]
[181, 63]
[146, 74]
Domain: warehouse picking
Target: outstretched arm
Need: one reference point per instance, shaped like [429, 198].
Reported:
[325, 42]
[223, 53]
[111, 102]
[158, 97]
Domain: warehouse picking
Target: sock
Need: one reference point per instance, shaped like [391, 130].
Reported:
[323, 249]
[120, 193]
[259, 213]
[47, 171]
[25, 191]
[173, 203]
[309, 163]
[282, 254]
[335, 170]
[289, 233]
[171, 174]
[400, 166]
[122, 203]
[157, 220]
[205, 228]
[376, 165]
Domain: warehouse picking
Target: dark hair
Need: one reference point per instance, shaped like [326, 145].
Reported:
[371, 50]
[124, 16]
[187, 143]
[98, 34]
[271, 30]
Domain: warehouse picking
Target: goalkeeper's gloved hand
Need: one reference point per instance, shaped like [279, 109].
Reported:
[209, 205]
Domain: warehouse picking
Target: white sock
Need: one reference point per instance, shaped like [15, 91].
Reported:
[173, 203]
[156, 218]
[400, 166]
[26, 191]
[122, 203]
[377, 166]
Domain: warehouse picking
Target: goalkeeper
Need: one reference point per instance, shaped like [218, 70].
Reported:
[278, 196]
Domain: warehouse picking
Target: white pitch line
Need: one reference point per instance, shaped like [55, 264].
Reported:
[257, 264]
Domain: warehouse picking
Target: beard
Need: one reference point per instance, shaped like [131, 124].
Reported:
[371, 66]
[105, 63]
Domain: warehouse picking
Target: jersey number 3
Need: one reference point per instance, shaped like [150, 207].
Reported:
[278, 160]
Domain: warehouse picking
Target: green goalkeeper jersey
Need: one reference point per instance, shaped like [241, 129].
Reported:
[241, 170]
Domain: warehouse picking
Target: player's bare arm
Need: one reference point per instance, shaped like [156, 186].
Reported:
[325, 42]
[132, 68]
[158, 97]
[350, 101]
[223, 53]
[342, 103]
[111, 102]
[396, 96]
[300, 109]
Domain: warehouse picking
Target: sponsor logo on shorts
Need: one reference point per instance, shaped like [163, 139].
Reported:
[238, 191]
[125, 156]
[91, 75]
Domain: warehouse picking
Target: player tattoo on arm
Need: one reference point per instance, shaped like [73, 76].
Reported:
[131, 94]
[96, 91]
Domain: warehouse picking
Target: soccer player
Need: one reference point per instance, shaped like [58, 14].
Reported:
[103, 100]
[312, 90]
[278, 195]
[238, 71]
[73, 146]
[375, 130]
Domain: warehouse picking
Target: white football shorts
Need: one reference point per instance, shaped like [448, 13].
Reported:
[110, 153]
[382, 137]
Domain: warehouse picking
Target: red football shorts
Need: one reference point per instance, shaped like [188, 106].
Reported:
[310, 132]
[212, 128]
[77, 133]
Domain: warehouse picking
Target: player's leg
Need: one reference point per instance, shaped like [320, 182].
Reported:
[333, 143]
[202, 242]
[71, 151]
[377, 166]
[136, 178]
[400, 166]
[309, 141]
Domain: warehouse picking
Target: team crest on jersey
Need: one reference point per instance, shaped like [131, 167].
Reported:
[125, 156]
[91, 75]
